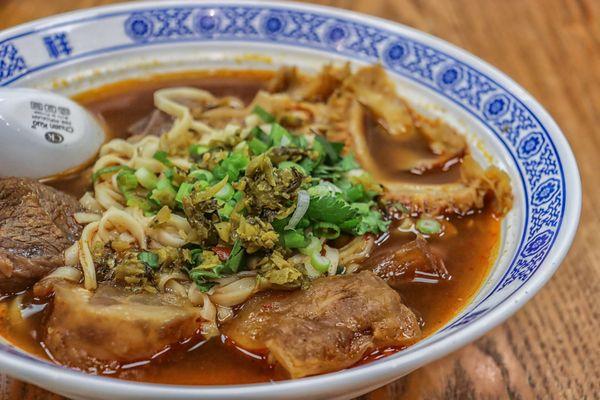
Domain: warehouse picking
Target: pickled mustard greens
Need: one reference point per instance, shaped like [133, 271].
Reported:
[265, 191]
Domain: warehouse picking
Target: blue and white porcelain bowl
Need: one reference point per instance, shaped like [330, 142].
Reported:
[76, 51]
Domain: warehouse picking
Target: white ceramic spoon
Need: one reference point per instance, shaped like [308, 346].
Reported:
[43, 133]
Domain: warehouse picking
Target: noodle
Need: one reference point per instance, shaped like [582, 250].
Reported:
[72, 254]
[107, 161]
[86, 218]
[107, 197]
[167, 278]
[85, 255]
[90, 203]
[121, 219]
[234, 293]
[44, 286]
[197, 298]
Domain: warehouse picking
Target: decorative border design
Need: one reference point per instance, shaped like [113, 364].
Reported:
[11, 61]
[57, 45]
[513, 124]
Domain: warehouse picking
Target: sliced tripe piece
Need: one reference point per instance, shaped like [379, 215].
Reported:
[368, 99]
[327, 327]
[371, 87]
[467, 194]
[301, 117]
[94, 331]
[308, 88]
[459, 197]
[444, 142]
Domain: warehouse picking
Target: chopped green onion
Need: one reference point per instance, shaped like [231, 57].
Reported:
[149, 259]
[257, 146]
[362, 208]
[261, 135]
[319, 262]
[164, 193]
[232, 166]
[146, 178]
[126, 181]
[162, 156]
[145, 205]
[108, 170]
[428, 226]
[304, 223]
[263, 114]
[294, 240]
[184, 190]
[326, 230]
[226, 193]
[238, 196]
[225, 211]
[278, 133]
[314, 246]
[202, 175]
[197, 150]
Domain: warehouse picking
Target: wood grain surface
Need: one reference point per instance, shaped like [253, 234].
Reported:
[550, 349]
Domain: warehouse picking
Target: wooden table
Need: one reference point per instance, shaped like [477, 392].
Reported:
[550, 348]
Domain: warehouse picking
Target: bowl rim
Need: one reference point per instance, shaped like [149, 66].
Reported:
[362, 376]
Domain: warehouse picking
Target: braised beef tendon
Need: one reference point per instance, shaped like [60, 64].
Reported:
[36, 226]
[327, 327]
[101, 330]
[410, 261]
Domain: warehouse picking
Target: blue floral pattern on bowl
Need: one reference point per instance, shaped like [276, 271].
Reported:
[514, 125]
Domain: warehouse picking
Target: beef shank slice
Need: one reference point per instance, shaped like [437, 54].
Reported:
[327, 327]
[408, 263]
[36, 226]
[112, 326]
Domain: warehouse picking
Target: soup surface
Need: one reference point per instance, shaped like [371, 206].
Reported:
[468, 244]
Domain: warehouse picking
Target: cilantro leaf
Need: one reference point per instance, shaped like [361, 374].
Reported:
[332, 150]
[330, 208]
[201, 277]
[204, 286]
[334, 172]
[235, 259]
[348, 163]
[371, 222]
[149, 259]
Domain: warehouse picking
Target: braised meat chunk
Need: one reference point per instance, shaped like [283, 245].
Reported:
[329, 326]
[36, 226]
[412, 261]
[97, 330]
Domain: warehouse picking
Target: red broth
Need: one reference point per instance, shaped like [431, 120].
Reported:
[468, 253]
